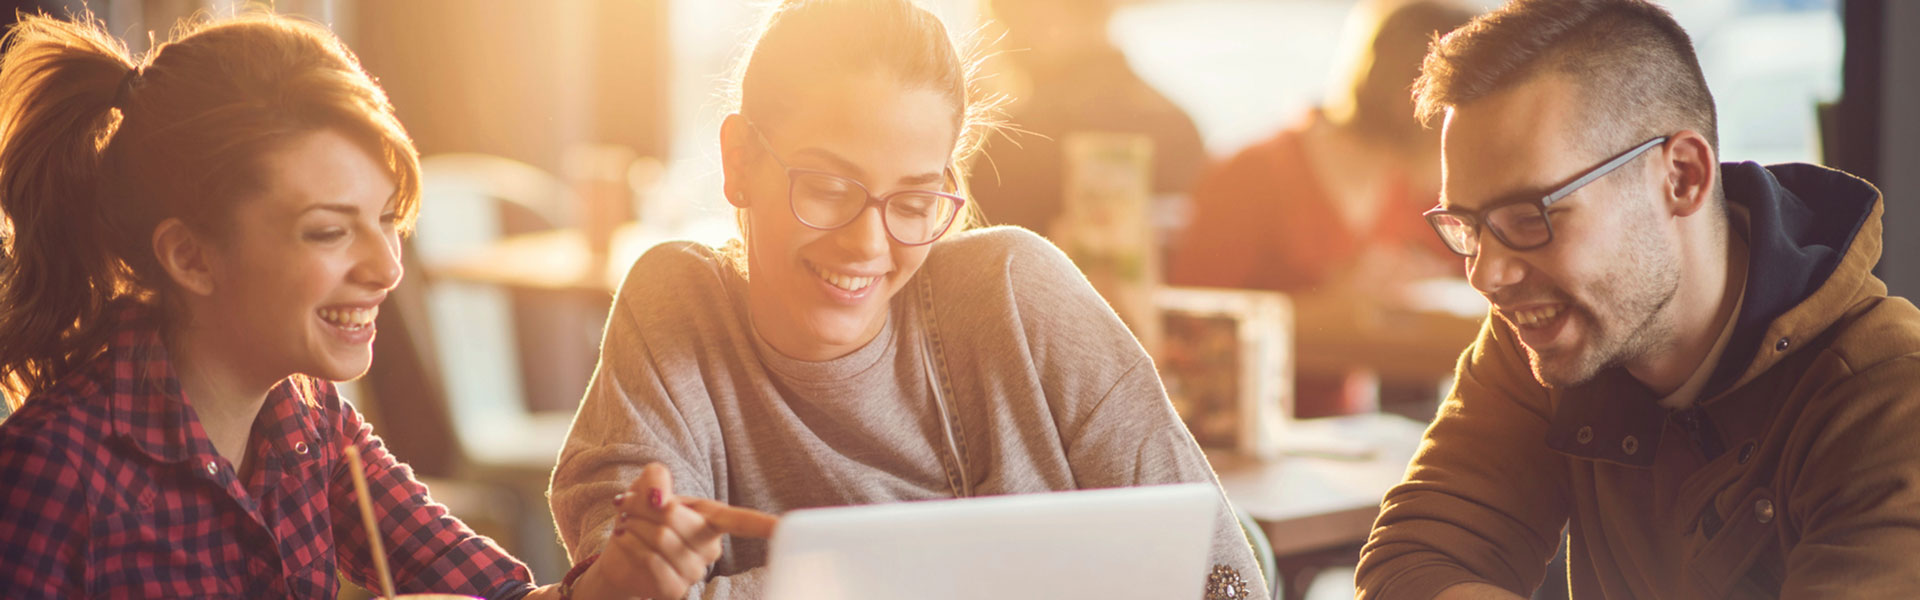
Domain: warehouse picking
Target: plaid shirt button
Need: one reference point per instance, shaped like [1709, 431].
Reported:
[299, 447]
[212, 469]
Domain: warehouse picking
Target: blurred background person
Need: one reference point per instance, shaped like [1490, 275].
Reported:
[1322, 202]
[1066, 76]
[1327, 206]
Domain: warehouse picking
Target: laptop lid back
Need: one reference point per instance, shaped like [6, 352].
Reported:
[1121, 543]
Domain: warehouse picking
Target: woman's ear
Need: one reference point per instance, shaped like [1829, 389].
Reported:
[185, 257]
[735, 144]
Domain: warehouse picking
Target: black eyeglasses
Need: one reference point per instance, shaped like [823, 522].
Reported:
[1520, 223]
[826, 201]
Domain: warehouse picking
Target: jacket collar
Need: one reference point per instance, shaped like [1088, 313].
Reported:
[1813, 237]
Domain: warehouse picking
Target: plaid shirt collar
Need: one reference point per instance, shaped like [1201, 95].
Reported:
[148, 409]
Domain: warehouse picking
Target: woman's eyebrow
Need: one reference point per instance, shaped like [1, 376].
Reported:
[923, 178]
[846, 167]
[345, 209]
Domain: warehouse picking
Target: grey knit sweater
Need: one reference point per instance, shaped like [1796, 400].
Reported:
[1048, 389]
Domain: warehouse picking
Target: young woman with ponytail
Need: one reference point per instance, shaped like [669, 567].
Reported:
[855, 346]
[197, 245]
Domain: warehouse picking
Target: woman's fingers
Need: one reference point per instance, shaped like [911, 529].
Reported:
[648, 492]
[690, 562]
[651, 490]
[733, 520]
[633, 568]
[667, 542]
[670, 583]
[694, 529]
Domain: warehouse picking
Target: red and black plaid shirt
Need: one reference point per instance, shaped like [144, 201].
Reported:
[110, 488]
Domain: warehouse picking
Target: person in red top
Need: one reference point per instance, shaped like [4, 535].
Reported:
[1330, 204]
[197, 246]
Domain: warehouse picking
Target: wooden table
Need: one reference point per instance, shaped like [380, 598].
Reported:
[1317, 502]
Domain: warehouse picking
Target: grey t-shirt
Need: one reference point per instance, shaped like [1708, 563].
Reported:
[1050, 392]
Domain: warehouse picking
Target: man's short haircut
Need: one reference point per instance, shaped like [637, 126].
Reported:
[1632, 64]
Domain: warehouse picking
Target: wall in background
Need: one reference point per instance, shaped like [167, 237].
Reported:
[1899, 177]
[523, 80]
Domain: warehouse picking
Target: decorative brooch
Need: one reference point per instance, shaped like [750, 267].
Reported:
[1224, 583]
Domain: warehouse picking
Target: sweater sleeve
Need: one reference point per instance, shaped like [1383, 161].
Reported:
[1117, 426]
[1133, 437]
[1481, 502]
[628, 419]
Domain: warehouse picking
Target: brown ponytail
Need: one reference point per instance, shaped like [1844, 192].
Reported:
[98, 147]
[57, 85]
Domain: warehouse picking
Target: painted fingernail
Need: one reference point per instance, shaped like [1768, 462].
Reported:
[622, 517]
[656, 499]
[618, 498]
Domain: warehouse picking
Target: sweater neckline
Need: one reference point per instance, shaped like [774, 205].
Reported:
[832, 370]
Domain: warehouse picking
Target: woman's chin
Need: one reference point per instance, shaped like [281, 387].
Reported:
[340, 368]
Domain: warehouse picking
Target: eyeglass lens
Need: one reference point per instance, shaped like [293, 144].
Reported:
[1521, 226]
[827, 202]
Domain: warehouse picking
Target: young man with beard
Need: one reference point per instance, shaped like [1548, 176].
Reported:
[1689, 366]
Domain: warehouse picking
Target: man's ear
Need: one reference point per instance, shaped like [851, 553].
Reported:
[1692, 172]
[185, 256]
[736, 145]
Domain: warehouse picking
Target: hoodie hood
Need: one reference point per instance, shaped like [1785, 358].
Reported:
[1811, 232]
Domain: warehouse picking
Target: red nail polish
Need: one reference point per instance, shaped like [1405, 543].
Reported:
[656, 499]
[618, 498]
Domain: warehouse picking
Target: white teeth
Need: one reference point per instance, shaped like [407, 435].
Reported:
[851, 284]
[350, 318]
[1535, 316]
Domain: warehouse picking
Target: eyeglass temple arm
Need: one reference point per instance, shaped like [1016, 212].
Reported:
[1601, 171]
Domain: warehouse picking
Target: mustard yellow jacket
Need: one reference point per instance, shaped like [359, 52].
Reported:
[1797, 474]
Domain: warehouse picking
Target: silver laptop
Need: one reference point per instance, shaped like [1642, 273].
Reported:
[1112, 544]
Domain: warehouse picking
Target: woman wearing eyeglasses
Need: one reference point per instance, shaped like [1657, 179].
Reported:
[855, 345]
